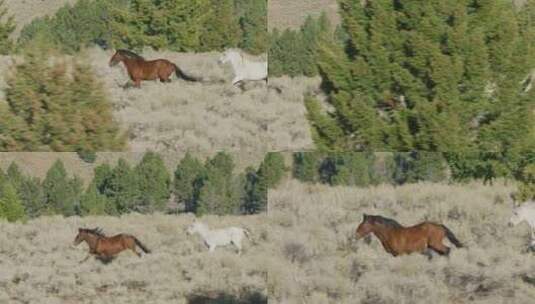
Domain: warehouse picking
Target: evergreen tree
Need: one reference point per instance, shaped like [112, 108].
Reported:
[28, 189]
[153, 182]
[431, 76]
[253, 24]
[62, 193]
[221, 192]
[256, 190]
[189, 176]
[7, 26]
[221, 29]
[11, 207]
[121, 187]
[306, 166]
[50, 109]
[272, 169]
[93, 202]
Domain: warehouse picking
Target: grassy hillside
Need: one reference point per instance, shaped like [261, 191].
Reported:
[316, 260]
[291, 14]
[200, 117]
[40, 264]
[24, 11]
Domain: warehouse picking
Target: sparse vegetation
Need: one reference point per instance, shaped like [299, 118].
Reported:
[316, 259]
[7, 26]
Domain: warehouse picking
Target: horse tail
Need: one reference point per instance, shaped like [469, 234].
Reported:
[140, 245]
[181, 74]
[451, 237]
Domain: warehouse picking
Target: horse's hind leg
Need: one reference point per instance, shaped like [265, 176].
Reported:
[238, 246]
[440, 248]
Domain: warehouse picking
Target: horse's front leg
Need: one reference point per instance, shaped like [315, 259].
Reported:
[86, 258]
[237, 80]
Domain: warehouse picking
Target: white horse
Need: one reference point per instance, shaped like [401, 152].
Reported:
[525, 212]
[219, 237]
[244, 69]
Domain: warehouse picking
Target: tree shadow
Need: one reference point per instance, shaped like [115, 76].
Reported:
[254, 297]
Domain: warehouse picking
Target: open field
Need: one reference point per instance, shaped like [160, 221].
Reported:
[200, 117]
[316, 260]
[291, 14]
[40, 264]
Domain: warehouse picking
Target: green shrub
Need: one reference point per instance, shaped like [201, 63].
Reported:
[7, 26]
[11, 207]
[50, 109]
[153, 182]
[62, 193]
[189, 177]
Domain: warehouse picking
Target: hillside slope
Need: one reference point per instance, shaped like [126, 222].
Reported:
[40, 264]
[317, 260]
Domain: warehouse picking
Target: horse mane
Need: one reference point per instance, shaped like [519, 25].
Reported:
[386, 221]
[96, 231]
[130, 54]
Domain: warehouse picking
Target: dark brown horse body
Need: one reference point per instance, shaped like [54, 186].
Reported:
[105, 248]
[140, 69]
[398, 240]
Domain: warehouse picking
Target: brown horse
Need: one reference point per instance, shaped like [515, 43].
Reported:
[105, 248]
[398, 240]
[140, 69]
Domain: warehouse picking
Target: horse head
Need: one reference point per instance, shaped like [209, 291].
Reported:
[365, 227]
[194, 227]
[82, 233]
[115, 59]
[516, 217]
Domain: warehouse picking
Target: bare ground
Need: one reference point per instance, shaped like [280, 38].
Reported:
[314, 258]
[40, 264]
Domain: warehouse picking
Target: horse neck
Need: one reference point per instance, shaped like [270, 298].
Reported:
[381, 232]
[203, 231]
[91, 240]
[237, 61]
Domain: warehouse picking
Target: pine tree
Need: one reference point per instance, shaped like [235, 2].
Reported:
[256, 190]
[7, 26]
[221, 29]
[189, 176]
[120, 186]
[221, 192]
[50, 109]
[253, 24]
[153, 182]
[306, 166]
[93, 202]
[62, 193]
[426, 76]
[11, 207]
[272, 169]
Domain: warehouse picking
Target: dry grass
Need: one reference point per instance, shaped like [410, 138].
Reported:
[40, 265]
[24, 11]
[315, 260]
[291, 14]
[199, 117]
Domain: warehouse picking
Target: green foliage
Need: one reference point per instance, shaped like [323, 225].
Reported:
[272, 169]
[61, 192]
[306, 166]
[186, 25]
[11, 207]
[253, 24]
[294, 52]
[7, 26]
[153, 182]
[87, 156]
[350, 169]
[120, 185]
[93, 202]
[73, 27]
[419, 166]
[189, 176]
[256, 189]
[434, 76]
[221, 192]
[221, 29]
[51, 109]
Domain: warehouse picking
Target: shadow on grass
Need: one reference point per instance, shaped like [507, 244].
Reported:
[254, 297]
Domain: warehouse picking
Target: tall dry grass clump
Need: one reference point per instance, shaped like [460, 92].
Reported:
[40, 265]
[315, 258]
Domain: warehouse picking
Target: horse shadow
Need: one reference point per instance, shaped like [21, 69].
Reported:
[105, 260]
[224, 298]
